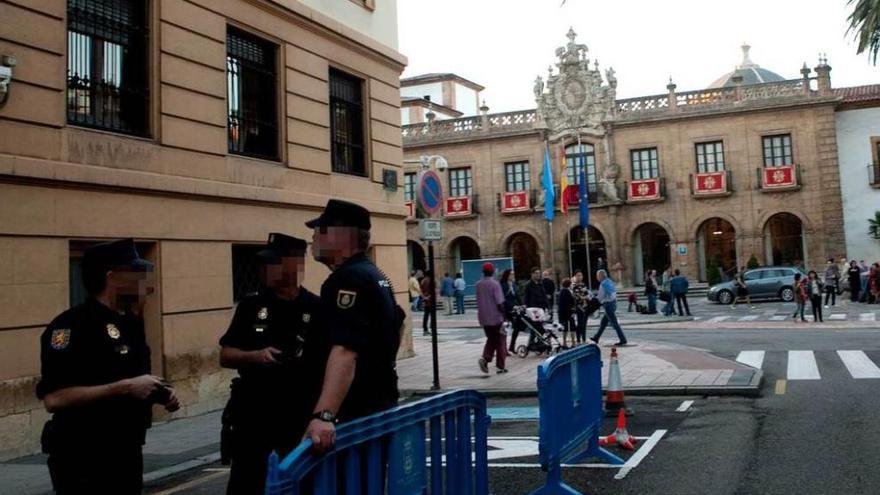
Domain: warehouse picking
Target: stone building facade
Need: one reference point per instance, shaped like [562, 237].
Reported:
[699, 180]
[196, 127]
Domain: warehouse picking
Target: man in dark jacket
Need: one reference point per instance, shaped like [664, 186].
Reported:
[549, 287]
[679, 288]
[535, 295]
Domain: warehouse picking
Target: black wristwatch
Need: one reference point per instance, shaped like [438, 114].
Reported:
[325, 416]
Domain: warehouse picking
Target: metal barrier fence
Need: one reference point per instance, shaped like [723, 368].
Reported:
[386, 453]
[570, 407]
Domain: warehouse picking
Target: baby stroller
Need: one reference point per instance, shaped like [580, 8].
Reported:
[543, 331]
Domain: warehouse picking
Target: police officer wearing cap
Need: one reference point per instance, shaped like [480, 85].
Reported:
[96, 378]
[276, 343]
[363, 321]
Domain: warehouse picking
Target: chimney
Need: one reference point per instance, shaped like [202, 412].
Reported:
[823, 75]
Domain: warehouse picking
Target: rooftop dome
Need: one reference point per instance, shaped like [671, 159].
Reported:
[750, 72]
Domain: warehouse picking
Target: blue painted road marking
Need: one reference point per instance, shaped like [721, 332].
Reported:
[513, 413]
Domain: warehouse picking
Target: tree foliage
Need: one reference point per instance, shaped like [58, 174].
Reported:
[864, 24]
[874, 225]
[753, 262]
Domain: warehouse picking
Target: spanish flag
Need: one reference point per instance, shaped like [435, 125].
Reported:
[563, 181]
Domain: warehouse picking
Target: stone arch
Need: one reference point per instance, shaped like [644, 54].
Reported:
[673, 238]
[696, 224]
[461, 248]
[651, 248]
[416, 256]
[805, 221]
[781, 232]
[716, 242]
[525, 250]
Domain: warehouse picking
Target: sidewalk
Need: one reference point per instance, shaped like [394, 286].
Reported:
[647, 368]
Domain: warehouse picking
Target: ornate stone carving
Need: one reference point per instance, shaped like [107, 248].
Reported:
[576, 98]
[608, 183]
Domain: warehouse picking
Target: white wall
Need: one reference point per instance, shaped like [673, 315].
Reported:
[854, 131]
[379, 23]
[466, 100]
[434, 90]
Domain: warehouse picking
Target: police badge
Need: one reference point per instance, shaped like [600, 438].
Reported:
[112, 331]
[345, 298]
[307, 317]
[60, 338]
[263, 313]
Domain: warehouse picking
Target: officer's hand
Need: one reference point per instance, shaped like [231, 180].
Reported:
[267, 356]
[173, 403]
[322, 434]
[142, 387]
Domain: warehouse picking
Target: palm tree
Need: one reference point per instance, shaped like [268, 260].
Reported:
[874, 225]
[864, 21]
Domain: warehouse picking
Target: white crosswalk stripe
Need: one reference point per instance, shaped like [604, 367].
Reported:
[718, 319]
[859, 364]
[837, 316]
[750, 318]
[778, 318]
[802, 366]
[868, 316]
[755, 359]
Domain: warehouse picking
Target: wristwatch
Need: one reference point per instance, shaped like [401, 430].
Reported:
[325, 415]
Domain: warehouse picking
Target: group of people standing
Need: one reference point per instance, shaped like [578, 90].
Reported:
[423, 295]
[672, 288]
[863, 283]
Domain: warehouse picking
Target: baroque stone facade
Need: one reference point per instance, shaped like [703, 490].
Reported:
[700, 180]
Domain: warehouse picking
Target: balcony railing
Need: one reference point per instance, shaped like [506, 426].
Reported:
[781, 178]
[874, 174]
[653, 189]
[711, 184]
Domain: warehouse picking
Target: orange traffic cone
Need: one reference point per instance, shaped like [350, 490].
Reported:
[614, 399]
[620, 436]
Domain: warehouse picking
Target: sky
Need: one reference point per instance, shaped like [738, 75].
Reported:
[504, 44]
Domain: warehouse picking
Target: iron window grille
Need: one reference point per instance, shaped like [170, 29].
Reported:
[347, 124]
[246, 270]
[517, 176]
[710, 157]
[252, 110]
[644, 163]
[572, 171]
[460, 182]
[107, 84]
[409, 186]
[777, 150]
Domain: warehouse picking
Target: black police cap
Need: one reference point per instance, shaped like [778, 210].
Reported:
[279, 245]
[116, 254]
[340, 213]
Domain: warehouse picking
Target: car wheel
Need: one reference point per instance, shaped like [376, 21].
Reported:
[725, 297]
[522, 351]
[787, 294]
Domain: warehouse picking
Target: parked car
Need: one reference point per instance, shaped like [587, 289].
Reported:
[767, 282]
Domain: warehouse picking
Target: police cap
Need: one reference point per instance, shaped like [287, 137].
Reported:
[280, 245]
[115, 255]
[340, 213]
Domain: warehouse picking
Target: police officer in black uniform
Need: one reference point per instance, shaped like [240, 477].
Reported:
[363, 321]
[96, 378]
[278, 346]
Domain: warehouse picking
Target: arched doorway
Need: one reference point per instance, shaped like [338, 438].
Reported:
[784, 240]
[461, 249]
[578, 251]
[415, 257]
[523, 248]
[650, 250]
[716, 249]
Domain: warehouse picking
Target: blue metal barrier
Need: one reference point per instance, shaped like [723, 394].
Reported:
[570, 405]
[391, 446]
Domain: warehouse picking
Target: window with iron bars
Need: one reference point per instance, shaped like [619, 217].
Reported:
[460, 182]
[644, 163]
[252, 110]
[517, 176]
[107, 83]
[246, 270]
[409, 186]
[347, 124]
[710, 157]
[777, 150]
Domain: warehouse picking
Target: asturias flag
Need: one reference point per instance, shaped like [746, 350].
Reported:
[563, 182]
[547, 183]
[582, 193]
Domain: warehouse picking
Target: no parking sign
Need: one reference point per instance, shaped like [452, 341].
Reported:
[430, 192]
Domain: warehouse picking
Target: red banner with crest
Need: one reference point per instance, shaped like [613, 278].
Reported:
[515, 201]
[710, 183]
[458, 206]
[643, 190]
[779, 177]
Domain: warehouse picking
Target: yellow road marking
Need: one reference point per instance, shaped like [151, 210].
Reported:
[192, 483]
[780, 387]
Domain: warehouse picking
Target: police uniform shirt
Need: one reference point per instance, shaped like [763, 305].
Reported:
[293, 327]
[361, 315]
[91, 345]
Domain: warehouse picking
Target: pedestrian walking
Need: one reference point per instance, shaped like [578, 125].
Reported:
[459, 287]
[800, 297]
[566, 312]
[549, 287]
[95, 378]
[742, 289]
[490, 313]
[666, 293]
[511, 300]
[429, 299]
[832, 279]
[447, 292]
[854, 276]
[608, 298]
[277, 343]
[535, 295]
[415, 291]
[363, 322]
[815, 289]
[651, 291]
[679, 286]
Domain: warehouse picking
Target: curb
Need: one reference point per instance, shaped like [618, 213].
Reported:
[181, 467]
[622, 323]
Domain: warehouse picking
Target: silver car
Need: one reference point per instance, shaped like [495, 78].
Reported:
[768, 282]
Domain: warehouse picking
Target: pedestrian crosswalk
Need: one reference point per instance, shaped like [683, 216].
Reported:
[803, 364]
[864, 317]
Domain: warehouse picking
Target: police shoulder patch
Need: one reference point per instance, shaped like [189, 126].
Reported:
[345, 298]
[60, 338]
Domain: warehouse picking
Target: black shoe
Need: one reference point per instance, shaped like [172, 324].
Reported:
[594, 341]
[621, 343]
[501, 371]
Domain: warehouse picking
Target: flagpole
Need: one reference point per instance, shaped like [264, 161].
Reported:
[582, 175]
[548, 168]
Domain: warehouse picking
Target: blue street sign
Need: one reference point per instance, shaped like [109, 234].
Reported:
[430, 192]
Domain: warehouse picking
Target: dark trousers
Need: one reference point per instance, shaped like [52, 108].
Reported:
[580, 329]
[679, 299]
[831, 293]
[799, 309]
[426, 319]
[854, 290]
[816, 303]
[116, 471]
[517, 327]
[459, 302]
[494, 346]
[652, 303]
[610, 316]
